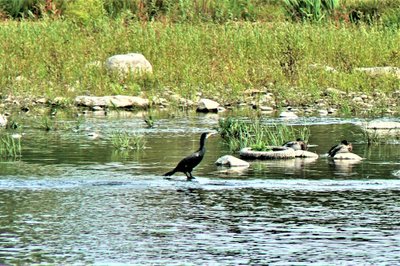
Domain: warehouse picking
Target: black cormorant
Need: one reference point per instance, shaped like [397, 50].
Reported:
[187, 164]
[343, 147]
[299, 144]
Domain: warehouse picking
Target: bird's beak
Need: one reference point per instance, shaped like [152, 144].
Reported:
[210, 134]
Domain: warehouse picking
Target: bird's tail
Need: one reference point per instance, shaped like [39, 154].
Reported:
[170, 173]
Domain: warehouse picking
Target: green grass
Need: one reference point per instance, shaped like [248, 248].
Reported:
[125, 141]
[10, 147]
[240, 134]
[51, 58]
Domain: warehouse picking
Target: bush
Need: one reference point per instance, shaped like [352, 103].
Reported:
[240, 134]
[31, 8]
[85, 11]
[310, 10]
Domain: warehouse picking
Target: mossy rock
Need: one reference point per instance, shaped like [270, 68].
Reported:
[273, 153]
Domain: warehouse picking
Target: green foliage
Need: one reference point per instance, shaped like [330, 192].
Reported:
[239, 134]
[310, 10]
[391, 19]
[85, 11]
[10, 147]
[48, 123]
[31, 8]
[220, 60]
[126, 141]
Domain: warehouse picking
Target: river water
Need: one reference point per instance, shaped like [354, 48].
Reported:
[72, 199]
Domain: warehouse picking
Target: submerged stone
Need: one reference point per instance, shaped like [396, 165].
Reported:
[231, 161]
[346, 156]
[305, 154]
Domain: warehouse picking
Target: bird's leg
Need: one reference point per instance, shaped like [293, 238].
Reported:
[190, 177]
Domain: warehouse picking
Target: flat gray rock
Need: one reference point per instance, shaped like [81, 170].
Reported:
[117, 101]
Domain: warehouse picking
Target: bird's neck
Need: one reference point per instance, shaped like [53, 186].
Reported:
[202, 144]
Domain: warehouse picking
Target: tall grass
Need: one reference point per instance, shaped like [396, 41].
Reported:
[125, 141]
[10, 147]
[311, 10]
[239, 134]
[52, 58]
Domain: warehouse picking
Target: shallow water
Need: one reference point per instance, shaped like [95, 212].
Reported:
[72, 199]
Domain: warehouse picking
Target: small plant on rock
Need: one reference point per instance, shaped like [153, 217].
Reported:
[239, 134]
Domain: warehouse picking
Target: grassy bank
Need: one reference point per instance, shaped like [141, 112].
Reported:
[50, 58]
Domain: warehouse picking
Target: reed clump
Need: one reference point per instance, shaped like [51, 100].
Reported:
[126, 141]
[240, 134]
[10, 147]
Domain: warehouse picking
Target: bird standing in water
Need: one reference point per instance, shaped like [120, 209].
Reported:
[343, 147]
[187, 164]
[297, 145]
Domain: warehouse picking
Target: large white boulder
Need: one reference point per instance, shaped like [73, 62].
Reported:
[128, 63]
[207, 105]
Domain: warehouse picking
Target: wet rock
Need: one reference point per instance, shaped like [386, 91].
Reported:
[207, 105]
[231, 161]
[379, 124]
[280, 153]
[346, 156]
[117, 101]
[305, 154]
[288, 115]
[332, 110]
[128, 63]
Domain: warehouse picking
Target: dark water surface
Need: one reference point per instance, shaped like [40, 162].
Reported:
[74, 200]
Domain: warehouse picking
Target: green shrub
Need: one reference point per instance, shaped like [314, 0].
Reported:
[240, 134]
[85, 11]
[31, 8]
[310, 10]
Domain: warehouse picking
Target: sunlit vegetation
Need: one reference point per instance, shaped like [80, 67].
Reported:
[10, 147]
[219, 48]
[240, 134]
[126, 141]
